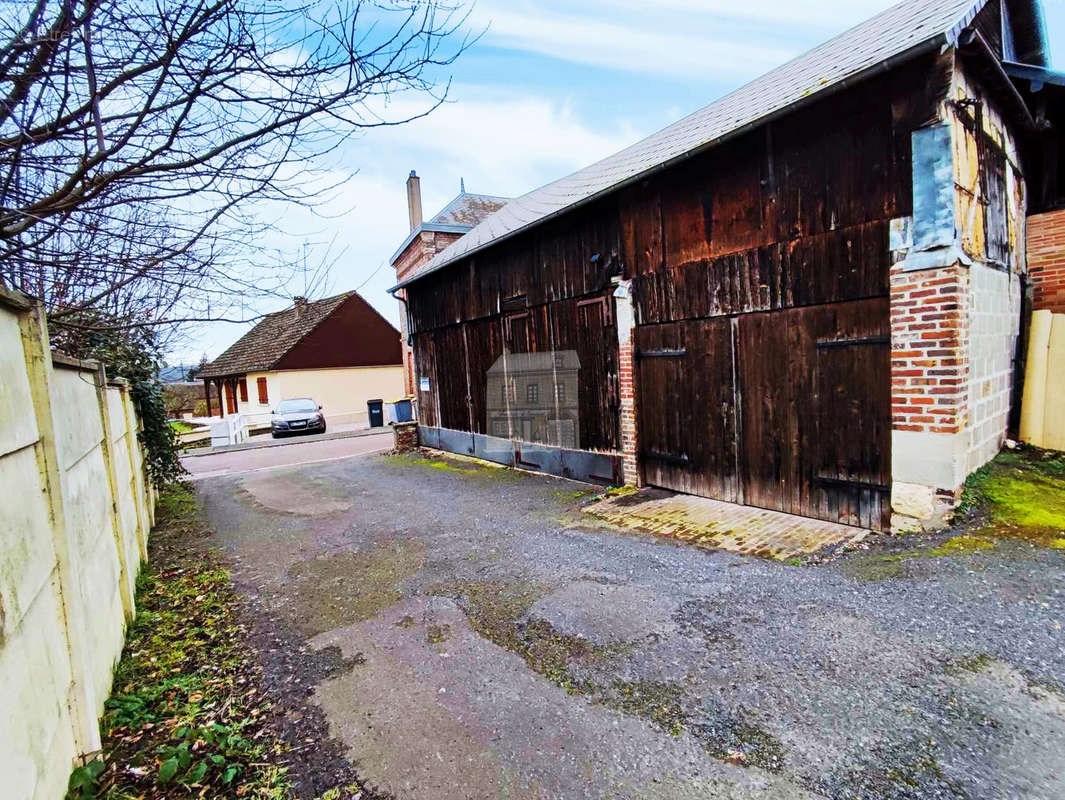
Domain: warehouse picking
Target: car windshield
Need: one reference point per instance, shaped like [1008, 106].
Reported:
[295, 406]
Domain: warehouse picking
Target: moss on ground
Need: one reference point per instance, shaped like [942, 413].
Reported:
[351, 587]
[878, 566]
[495, 610]
[659, 702]
[975, 662]
[960, 546]
[437, 634]
[442, 465]
[1019, 495]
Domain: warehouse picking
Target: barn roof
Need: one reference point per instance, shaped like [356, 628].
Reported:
[268, 342]
[901, 32]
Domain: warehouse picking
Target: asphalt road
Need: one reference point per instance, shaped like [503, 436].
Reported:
[292, 454]
[489, 641]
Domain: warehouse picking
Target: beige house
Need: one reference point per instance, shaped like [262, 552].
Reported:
[338, 351]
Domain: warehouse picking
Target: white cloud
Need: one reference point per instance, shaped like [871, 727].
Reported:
[678, 38]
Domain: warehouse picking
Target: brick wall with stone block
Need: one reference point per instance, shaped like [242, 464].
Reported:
[1046, 260]
[929, 364]
[405, 436]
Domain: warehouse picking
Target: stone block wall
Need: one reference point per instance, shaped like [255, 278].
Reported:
[994, 327]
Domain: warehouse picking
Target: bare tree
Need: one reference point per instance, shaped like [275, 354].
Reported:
[136, 134]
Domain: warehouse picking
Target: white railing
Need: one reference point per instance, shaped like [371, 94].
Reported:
[232, 429]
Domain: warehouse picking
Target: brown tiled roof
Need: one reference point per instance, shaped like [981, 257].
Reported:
[896, 33]
[269, 341]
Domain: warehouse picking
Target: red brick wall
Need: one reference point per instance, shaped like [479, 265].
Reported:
[929, 365]
[1046, 260]
[421, 248]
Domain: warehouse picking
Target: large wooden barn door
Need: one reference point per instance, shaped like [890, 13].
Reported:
[687, 413]
[786, 410]
[815, 389]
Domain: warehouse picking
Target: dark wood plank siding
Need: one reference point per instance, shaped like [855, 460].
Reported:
[793, 214]
[458, 358]
[747, 258]
[815, 387]
[571, 257]
[988, 22]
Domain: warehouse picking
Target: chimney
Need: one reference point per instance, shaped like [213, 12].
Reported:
[414, 200]
[299, 302]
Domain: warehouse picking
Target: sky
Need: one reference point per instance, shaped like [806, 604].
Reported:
[550, 87]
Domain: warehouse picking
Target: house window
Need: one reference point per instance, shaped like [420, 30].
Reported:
[532, 393]
[560, 393]
[260, 384]
[509, 391]
[243, 385]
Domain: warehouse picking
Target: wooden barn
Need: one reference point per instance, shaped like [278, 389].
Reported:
[807, 296]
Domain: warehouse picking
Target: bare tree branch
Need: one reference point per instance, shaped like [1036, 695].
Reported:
[137, 137]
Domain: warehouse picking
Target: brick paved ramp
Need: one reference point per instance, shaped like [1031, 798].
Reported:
[718, 525]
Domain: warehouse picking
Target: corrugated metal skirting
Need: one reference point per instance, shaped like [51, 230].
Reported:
[580, 465]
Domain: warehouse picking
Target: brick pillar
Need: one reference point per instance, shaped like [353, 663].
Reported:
[929, 365]
[405, 436]
[929, 389]
[630, 466]
[1046, 260]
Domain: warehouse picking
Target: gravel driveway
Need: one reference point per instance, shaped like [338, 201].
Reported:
[490, 642]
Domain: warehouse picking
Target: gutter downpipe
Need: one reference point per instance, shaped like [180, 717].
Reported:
[406, 313]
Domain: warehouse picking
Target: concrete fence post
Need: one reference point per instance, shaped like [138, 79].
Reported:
[81, 694]
[141, 494]
[107, 446]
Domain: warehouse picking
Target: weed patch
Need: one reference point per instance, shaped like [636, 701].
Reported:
[187, 716]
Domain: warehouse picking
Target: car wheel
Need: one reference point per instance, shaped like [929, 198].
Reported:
[275, 435]
[323, 427]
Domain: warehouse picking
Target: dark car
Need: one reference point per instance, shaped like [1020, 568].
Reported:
[298, 415]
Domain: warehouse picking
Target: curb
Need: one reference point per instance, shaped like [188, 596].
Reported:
[200, 452]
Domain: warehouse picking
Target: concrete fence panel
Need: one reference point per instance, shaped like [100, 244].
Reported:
[76, 512]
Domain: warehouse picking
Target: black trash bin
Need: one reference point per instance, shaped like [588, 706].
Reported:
[375, 410]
